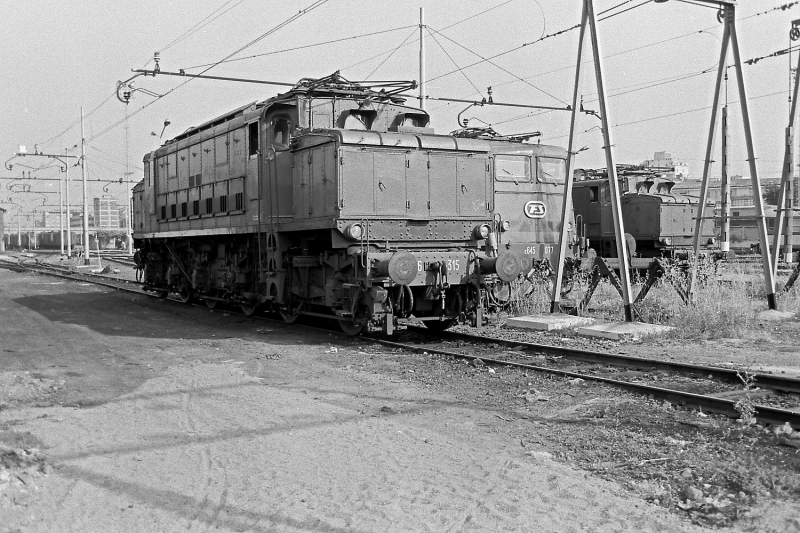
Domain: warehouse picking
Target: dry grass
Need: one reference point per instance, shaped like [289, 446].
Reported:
[727, 300]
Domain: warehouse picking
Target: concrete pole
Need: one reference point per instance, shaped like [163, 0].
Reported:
[69, 221]
[128, 188]
[85, 196]
[422, 58]
[61, 213]
[790, 215]
[725, 189]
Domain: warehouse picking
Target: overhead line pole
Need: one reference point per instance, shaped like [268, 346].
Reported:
[63, 159]
[69, 219]
[422, 58]
[758, 199]
[61, 215]
[589, 18]
[729, 38]
[785, 214]
[566, 204]
[129, 210]
[85, 195]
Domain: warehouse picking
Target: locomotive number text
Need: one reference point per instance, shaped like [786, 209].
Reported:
[451, 264]
[531, 250]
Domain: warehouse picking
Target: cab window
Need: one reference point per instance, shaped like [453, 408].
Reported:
[252, 136]
[551, 170]
[512, 168]
[281, 129]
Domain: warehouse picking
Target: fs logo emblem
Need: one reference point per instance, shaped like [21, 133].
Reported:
[535, 209]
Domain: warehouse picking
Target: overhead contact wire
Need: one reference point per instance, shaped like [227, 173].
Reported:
[291, 19]
[200, 25]
[453, 61]
[518, 78]
[334, 41]
[445, 28]
[390, 55]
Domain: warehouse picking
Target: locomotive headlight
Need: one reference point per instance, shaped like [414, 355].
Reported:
[482, 231]
[505, 226]
[354, 231]
[666, 241]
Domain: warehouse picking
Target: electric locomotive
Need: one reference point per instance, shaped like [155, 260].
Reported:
[658, 222]
[528, 199]
[333, 200]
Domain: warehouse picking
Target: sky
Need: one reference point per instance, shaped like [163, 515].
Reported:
[659, 66]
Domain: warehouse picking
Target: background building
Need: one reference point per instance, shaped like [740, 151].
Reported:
[106, 212]
[674, 170]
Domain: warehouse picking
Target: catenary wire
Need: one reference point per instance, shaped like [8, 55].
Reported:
[433, 35]
[443, 29]
[293, 49]
[291, 19]
[390, 55]
[201, 24]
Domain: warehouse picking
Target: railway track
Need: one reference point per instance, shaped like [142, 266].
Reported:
[705, 393]
[605, 369]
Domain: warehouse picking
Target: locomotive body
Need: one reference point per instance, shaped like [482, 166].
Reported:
[528, 196]
[659, 222]
[331, 199]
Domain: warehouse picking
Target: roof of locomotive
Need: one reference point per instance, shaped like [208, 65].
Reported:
[643, 191]
[333, 86]
[405, 139]
[429, 141]
[336, 87]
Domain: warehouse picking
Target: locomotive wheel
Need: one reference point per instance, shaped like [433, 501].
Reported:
[211, 304]
[439, 325]
[349, 325]
[163, 293]
[350, 328]
[288, 315]
[249, 308]
[186, 294]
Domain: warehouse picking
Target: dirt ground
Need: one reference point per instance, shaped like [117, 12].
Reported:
[120, 412]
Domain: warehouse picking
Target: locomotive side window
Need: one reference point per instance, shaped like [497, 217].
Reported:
[221, 148]
[512, 168]
[281, 127]
[171, 162]
[594, 193]
[551, 170]
[252, 136]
